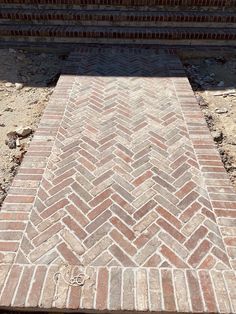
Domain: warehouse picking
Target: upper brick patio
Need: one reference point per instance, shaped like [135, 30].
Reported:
[122, 202]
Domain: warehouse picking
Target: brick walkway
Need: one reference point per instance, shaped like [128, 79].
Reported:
[122, 201]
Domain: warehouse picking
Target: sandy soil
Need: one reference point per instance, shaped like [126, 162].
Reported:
[214, 83]
[22, 105]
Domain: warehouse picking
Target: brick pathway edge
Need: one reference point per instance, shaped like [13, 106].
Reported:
[107, 289]
[114, 289]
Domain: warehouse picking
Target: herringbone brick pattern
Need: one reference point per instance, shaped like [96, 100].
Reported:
[126, 184]
[122, 186]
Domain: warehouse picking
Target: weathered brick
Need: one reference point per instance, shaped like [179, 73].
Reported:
[208, 292]
[88, 289]
[10, 285]
[181, 290]
[141, 290]
[168, 290]
[194, 291]
[102, 289]
[128, 290]
[23, 287]
[36, 288]
[115, 289]
[221, 292]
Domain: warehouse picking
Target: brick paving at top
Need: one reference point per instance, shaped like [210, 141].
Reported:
[123, 190]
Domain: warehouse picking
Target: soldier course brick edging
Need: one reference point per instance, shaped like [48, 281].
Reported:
[120, 289]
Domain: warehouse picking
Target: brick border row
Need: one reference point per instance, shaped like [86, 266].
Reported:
[119, 33]
[120, 16]
[118, 289]
[216, 3]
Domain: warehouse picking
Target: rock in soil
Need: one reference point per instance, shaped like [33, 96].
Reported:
[11, 143]
[221, 110]
[8, 84]
[23, 131]
[19, 86]
[217, 136]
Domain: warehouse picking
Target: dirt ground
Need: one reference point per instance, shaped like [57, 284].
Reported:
[214, 83]
[26, 82]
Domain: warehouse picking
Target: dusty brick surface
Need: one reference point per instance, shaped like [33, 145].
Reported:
[125, 214]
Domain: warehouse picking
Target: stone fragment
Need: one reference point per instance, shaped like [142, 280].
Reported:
[221, 84]
[217, 136]
[221, 110]
[19, 86]
[8, 84]
[23, 131]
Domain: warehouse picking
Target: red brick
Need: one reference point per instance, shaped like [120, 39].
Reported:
[196, 237]
[68, 255]
[122, 242]
[102, 289]
[169, 217]
[23, 287]
[19, 199]
[72, 225]
[123, 204]
[99, 209]
[194, 289]
[208, 291]
[115, 289]
[36, 289]
[121, 256]
[128, 233]
[9, 246]
[145, 237]
[141, 290]
[79, 203]
[48, 233]
[144, 209]
[95, 224]
[142, 178]
[54, 208]
[186, 189]
[74, 296]
[168, 290]
[172, 257]
[8, 225]
[101, 197]
[14, 216]
[171, 230]
[77, 215]
[10, 286]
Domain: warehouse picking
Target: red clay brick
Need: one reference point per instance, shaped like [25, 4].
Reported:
[11, 284]
[35, 290]
[168, 290]
[102, 289]
[208, 291]
[195, 294]
[23, 287]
